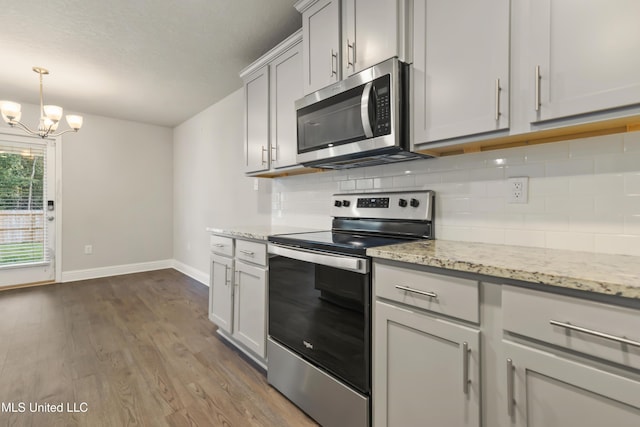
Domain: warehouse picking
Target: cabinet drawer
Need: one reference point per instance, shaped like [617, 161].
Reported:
[451, 296]
[221, 245]
[252, 252]
[606, 331]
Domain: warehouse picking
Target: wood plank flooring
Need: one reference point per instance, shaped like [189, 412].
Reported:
[138, 349]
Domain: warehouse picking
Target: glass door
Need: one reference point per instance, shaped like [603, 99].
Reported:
[27, 210]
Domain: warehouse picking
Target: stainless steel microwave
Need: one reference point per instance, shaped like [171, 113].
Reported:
[360, 121]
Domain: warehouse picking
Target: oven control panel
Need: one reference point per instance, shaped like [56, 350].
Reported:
[406, 205]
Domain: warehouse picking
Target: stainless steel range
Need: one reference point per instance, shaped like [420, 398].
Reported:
[319, 346]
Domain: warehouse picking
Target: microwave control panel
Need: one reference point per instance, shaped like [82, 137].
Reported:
[382, 106]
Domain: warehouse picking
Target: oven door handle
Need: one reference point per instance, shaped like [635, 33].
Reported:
[357, 265]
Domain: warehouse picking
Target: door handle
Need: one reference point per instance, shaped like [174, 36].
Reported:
[364, 110]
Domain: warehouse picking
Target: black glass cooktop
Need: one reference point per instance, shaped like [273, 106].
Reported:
[340, 242]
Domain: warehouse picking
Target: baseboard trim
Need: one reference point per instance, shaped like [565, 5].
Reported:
[116, 270]
[194, 273]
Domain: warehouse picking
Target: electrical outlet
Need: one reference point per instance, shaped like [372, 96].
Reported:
[88, 249]
[518, 189]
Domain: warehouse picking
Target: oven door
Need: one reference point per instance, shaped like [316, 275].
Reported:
[319, 307]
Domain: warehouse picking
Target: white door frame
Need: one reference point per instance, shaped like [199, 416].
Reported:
[57, 141]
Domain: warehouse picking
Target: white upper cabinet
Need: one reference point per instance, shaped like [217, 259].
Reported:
[286, 88]
[321, 49]
[373, 32]
[341, 38]
[256, 100]
[460, 68]
[272, 84]
[584, 56]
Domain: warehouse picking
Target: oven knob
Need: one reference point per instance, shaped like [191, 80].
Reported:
[402, 203]
[337, 203]
[414, 203]
[346, 203]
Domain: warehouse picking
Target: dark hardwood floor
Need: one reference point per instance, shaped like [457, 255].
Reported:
[138, 349]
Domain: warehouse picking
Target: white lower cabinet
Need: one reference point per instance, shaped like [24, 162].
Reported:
[238, 294]
[221, 292]
[549, 390]
[250, 299]
[426, 370]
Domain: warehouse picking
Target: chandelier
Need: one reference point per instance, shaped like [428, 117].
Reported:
[49, 115]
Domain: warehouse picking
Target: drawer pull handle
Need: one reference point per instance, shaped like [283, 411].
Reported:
[416, 291]
[246, 252]
[510, 399]
[465, 367]
[219, 245]
[621, 340]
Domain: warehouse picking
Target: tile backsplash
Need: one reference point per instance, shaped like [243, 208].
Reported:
[584, 194]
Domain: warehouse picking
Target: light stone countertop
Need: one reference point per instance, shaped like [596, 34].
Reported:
[617, 275]
[258, 232]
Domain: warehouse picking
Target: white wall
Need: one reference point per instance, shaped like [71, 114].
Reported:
[116, 194]
[210, 189]
[583, 194]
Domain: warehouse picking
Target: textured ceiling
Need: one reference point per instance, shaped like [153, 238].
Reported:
[152, 61]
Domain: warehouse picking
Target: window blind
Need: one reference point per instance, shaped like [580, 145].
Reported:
[23, 225]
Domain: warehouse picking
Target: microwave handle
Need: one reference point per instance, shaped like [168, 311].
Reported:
[364, 110]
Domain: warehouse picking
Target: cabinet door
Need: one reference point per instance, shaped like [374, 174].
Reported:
[221, 292]
[551, 391]
[587, 54]
[371, 33]
[425, 370]
[460, 68]
[250, 299]
[321, 51]
[286, 88]
[256, 92]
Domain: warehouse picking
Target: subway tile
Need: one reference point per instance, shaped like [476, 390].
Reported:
[404, 168]
[426, 179]
[507, 157]
[546, 222]
[455, 176]
[532, 170]
[546, 152]
[597, 223]
[572, 167]
[618, 244]
[405, 181]
[455, 219]
[497, 188]
[454, 233]
[570, 204]
[347, 185]
[606, 183]
[596, 146]
[487, 235]
[478, 188]
[355, 173]
[549, 186]
[452, 189]
[385, 183]
[364, 184]
[524, 238]
[533, 205]
[632, 141]
[487, 204]
[625, 205]
[617, 163]
[569, 241]
[632, 183]
[632, 224]
[454, 204]
[486, 174]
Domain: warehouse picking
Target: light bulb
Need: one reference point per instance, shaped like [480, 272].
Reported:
[75, 122]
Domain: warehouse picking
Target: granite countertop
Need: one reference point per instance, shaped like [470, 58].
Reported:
[257, 232]
[617, 275]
